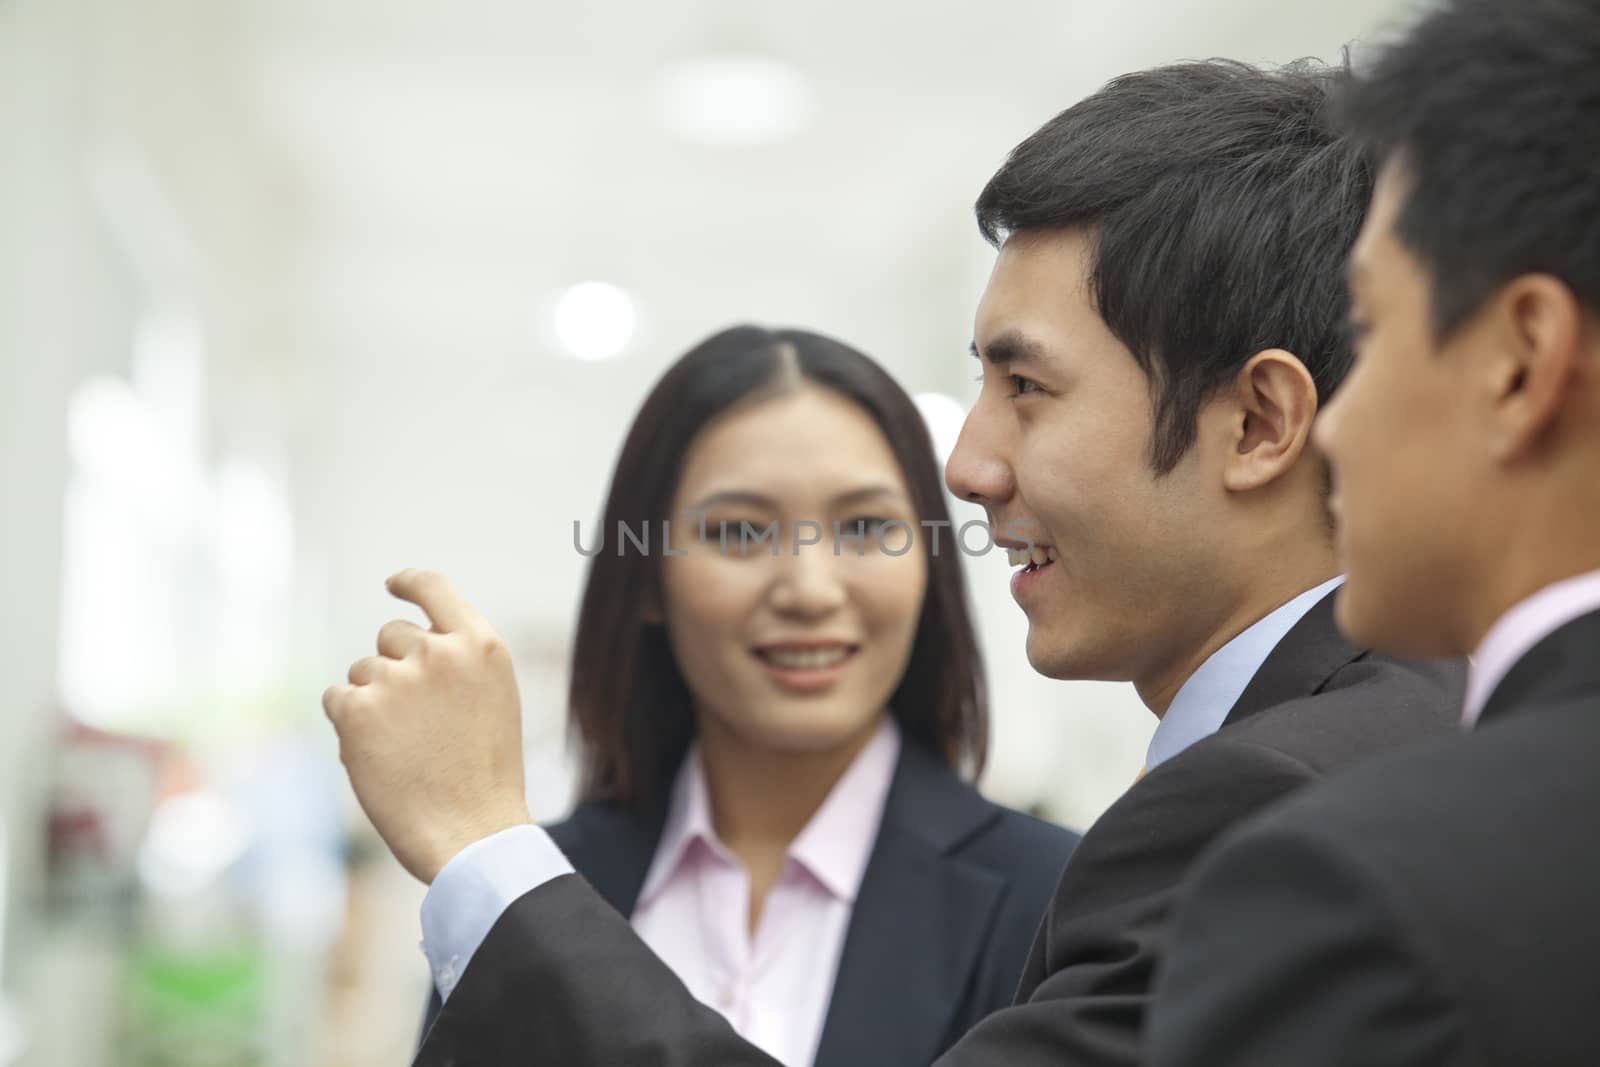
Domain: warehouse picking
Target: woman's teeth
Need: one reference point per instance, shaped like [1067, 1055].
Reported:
[807, 659]
[1037, 557]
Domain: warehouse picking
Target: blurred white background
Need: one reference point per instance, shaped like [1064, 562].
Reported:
[287, 303]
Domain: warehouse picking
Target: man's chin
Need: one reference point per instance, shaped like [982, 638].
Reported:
[1054, 657]
[1348, 616]
[1389, 624]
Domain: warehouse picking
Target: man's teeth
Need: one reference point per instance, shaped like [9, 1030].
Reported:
[808, 659]
[1039, 556]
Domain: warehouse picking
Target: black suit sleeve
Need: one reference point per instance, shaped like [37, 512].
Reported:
[1290, 950]
[562, 979]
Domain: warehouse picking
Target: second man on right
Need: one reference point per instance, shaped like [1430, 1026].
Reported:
[1437, 906]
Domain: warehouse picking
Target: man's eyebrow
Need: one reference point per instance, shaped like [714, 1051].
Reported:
[1008, 349]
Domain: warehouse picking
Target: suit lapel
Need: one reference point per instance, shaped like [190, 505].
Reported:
[1561, 667]
[1300, 665]
[612, 849]
[914, 894]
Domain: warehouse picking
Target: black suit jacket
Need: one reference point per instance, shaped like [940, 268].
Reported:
[599, 998]
[948, 906]
[1437, 906]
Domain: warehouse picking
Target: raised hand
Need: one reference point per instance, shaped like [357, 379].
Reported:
[430, 729]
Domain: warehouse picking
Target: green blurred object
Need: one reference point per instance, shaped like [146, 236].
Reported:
[196, 1008]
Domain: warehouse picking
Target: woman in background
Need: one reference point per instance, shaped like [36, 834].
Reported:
[773, 738]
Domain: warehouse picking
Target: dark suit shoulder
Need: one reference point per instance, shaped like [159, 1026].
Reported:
[1119, 888]
[1282, 921]
[1370, 704]
[1145, 840]
[1465, 817]
[1021, 846]
[1456, 872]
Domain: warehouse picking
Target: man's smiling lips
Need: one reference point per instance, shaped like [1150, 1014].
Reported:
[1035, 561]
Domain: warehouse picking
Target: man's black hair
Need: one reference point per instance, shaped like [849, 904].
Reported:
[1221, 201]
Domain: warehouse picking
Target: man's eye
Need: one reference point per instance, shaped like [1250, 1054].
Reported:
[1021, 386]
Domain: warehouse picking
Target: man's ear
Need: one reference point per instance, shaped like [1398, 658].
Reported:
[1538, 328]
[1273, 404]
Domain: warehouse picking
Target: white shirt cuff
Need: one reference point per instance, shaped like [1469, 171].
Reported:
[474, 889]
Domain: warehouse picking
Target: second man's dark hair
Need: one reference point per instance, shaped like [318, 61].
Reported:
[1491, 110]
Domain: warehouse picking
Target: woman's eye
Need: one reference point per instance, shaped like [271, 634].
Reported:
[720, 530]
[737, 537]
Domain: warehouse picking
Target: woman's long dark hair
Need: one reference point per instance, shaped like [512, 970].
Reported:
[631, 712]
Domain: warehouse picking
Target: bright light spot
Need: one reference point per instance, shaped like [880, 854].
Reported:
[193, 839]
[594, 320]
[117, 440]
[735, 99]
[943, 416]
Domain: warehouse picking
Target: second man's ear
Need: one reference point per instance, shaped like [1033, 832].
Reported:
[1539, 327]
[1274, 405]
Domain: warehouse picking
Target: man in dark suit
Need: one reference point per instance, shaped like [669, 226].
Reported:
[1163, 320]
[1437, 905]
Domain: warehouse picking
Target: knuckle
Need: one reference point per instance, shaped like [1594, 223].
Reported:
[356, 703]
[488, 645]
[389, 633]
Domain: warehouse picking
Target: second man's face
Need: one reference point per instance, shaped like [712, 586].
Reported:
[1400, 439]
[1058, 444]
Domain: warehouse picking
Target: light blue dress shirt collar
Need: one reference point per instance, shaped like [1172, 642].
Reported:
[1203, 703]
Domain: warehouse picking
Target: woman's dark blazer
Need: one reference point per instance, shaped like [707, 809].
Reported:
[949, 903]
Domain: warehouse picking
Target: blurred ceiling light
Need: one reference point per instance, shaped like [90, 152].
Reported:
[732, 98]
[594, 320]
[944, 416]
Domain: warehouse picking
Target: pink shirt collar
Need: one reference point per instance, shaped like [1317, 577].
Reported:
[1516, 632]
[835, 845]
